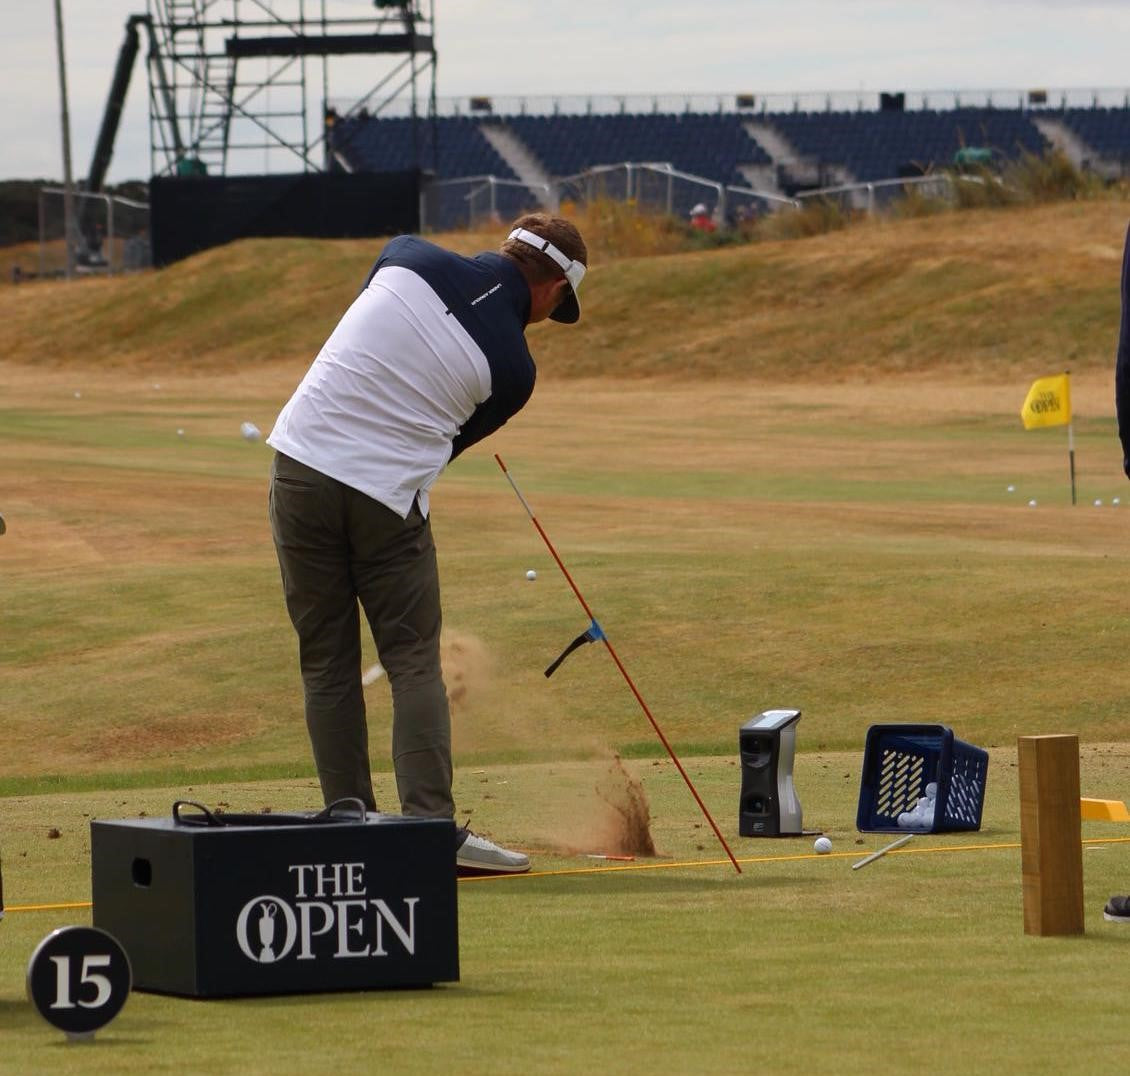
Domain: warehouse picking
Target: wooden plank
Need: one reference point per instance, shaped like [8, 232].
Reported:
[1051, 856]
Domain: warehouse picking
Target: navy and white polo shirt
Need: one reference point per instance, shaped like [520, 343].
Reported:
[430, 358]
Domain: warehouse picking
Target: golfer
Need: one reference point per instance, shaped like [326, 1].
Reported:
[430, 358]
[1122, 361]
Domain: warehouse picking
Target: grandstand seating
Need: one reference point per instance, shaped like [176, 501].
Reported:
[861, 146]
[387, 145]
[1104, 130]
[711, 145]
[880, 145]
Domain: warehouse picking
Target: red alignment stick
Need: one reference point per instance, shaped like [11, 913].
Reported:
[619, 663]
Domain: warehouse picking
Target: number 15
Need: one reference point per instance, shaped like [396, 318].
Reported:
[63, 981]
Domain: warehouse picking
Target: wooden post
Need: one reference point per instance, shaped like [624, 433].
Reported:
[1051, 843]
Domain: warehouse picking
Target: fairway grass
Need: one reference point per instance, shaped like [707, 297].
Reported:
[849, 551]
[799, 480]
[675, 964]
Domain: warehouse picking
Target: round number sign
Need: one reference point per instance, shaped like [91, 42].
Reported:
[79, 978]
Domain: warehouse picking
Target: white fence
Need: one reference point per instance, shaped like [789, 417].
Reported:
[655, 186]
[446, 204]
[109, 234]
[879, 194]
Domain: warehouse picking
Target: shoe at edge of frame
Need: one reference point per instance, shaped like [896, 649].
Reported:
[1117, 910]
[475, 854]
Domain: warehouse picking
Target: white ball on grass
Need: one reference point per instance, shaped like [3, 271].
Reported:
[531, 575]
[822, 845]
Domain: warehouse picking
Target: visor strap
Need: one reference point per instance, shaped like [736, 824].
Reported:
[574, 271]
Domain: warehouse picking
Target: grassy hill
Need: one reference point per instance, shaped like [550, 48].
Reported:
[982, 291]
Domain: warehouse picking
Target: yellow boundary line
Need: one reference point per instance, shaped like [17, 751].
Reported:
[674, 865]
[771, 859]
[46, 907]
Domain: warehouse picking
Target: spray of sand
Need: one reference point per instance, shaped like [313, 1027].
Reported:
[466, 669]
[615, 821]
[627, 815]
[466, 666]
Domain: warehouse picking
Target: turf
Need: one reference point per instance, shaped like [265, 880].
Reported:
[787, 487]
[674, 964]
[853, 552]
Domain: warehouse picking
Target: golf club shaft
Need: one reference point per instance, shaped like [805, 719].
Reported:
[620, 665]
[882, 852]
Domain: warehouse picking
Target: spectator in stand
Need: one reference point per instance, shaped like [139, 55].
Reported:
[745, 220]
[701, 220]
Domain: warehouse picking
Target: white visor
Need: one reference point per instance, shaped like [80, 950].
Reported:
[569, 309]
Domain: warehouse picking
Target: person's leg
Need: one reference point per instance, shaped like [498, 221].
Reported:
[308, 523]
[397, 581]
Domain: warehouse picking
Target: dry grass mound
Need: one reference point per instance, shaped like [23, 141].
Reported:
[979, 292]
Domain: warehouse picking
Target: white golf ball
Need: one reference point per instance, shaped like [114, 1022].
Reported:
[1098, 502]
[1115, 500]
[822, 845]
[1032, 504]
[180, 431]
[1011, 489]
[531, 575]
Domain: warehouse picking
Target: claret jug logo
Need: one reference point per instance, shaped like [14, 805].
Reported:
[330, 914]
[1045, 403]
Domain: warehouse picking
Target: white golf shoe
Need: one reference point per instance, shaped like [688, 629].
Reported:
[475, 853]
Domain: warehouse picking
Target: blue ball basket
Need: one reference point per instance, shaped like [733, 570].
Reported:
[899, 761]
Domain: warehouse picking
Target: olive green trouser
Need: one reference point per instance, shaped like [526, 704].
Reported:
[338, 548]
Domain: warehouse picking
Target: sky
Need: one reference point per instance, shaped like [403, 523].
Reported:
[598, 47]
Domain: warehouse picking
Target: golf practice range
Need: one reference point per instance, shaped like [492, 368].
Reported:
[789, 475]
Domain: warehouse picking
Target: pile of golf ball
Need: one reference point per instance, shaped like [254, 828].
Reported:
[922, 816]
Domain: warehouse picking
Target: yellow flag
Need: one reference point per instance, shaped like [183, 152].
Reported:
[1048, 403]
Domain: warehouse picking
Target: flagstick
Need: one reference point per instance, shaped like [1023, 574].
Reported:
[1071, 456]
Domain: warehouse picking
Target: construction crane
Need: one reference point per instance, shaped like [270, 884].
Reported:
[90, 252]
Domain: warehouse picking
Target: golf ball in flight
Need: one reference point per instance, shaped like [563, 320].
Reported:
[822, 845]
[531, 575]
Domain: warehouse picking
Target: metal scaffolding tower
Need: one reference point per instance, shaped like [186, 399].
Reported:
[233, 84]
